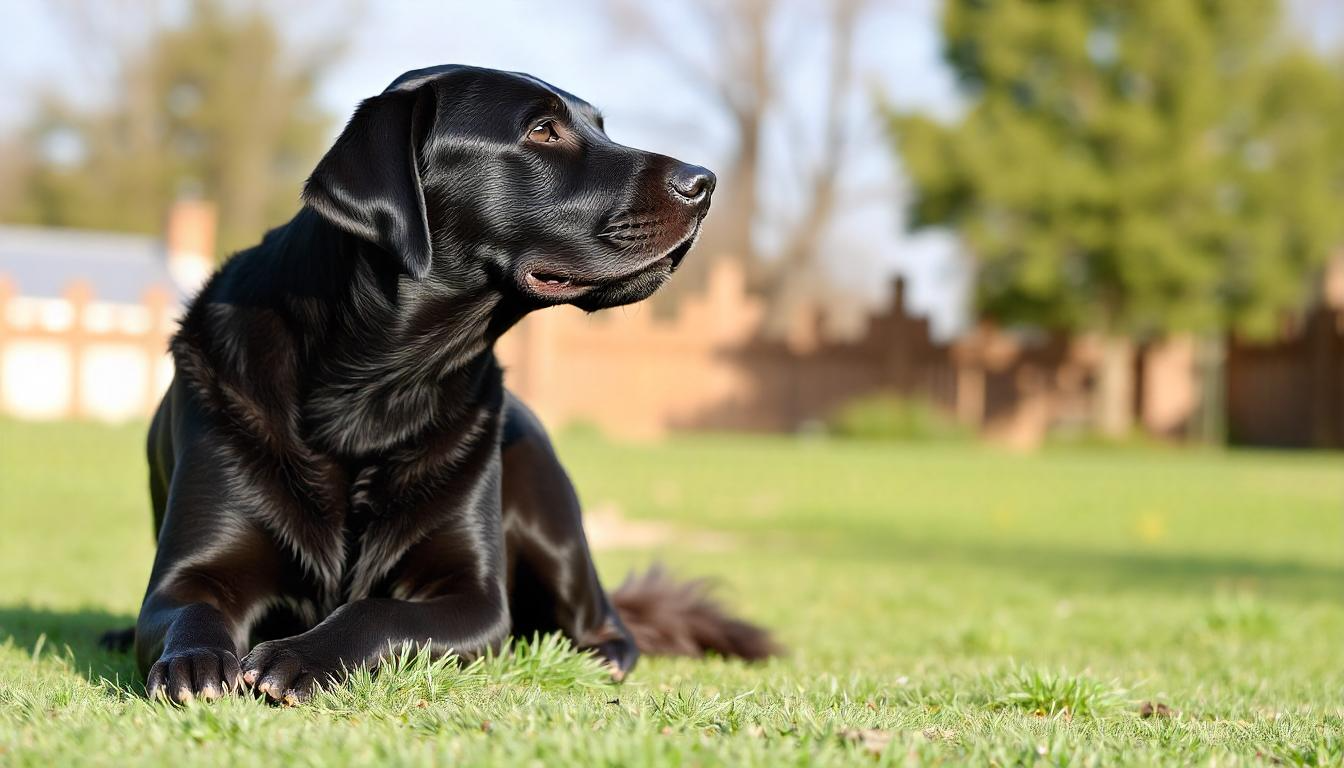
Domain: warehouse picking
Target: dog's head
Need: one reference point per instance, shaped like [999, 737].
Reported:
[456, 168]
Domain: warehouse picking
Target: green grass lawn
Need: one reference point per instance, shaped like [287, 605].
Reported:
[942, 604]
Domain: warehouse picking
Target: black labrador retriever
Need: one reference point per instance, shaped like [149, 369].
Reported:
[338, 472]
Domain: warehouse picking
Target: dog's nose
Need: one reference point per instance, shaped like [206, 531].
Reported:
[693, 183]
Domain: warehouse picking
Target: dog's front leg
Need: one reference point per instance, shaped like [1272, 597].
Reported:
[364, 632]
[197, 610]
[554, 583]
[198, 657]
[212, 571]
[194, 620]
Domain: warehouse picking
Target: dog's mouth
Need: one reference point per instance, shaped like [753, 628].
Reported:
[555, 285]
[549, 282]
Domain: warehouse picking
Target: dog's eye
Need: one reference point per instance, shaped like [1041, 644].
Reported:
[543, 133]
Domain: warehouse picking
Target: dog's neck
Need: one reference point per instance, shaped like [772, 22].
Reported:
[399, 356]
[412, 355]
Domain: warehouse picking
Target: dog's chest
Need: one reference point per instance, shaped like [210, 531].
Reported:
[366, 505]
[343, 541]
[354, 529]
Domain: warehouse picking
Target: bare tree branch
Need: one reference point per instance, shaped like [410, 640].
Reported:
[796, 267]
[749, 79]
[636, 19]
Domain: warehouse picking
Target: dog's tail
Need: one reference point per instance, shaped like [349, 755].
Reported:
[681, 618]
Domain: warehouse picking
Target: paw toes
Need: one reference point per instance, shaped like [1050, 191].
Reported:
[255, 664]
[230, 670]
[156, 682]
[272, 687]
[205, 674]
[179, 680]
[283, 674]
[271, 673]
[276, 683]
[250, 672]
[619, 656]
[300, 690]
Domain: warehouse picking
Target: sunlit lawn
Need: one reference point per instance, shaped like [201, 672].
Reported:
[942, 604]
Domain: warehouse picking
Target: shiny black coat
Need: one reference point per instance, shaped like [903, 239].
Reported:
[337, 470]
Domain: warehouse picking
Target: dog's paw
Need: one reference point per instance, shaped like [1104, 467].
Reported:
[199, 673]
[286, 672]
[619, 657]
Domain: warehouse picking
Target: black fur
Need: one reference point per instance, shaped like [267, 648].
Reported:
[328, 470]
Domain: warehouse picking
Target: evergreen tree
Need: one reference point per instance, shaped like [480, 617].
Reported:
[1133, 168]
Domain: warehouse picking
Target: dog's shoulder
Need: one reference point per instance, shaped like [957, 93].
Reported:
[237, 355]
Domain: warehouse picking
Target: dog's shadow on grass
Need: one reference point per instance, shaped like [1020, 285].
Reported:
[71, 636]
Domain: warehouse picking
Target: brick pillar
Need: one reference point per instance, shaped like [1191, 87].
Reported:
[79, 293]
[1168, 386]
[190, 239]
[970, 384]
[1332, 287]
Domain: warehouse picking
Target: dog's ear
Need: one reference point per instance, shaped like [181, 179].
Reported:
[369, 182]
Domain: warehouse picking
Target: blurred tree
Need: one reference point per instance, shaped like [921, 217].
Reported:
[747, 81]
[1133, 167]
[215, 106]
